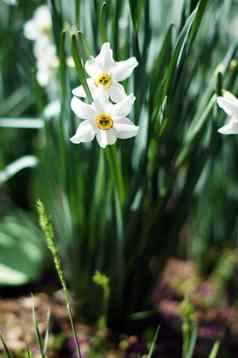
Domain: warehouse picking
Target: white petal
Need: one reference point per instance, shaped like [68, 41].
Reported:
[43, 77]
[52, 109]
[101, 103]
[84, 133]
[92, 68]
[230, 106]
[125, 128]
[123, 69]
[106, 137]
[30, 30]
[230, 128]
[79, 91]
[117, 92]
[81, 109]
[123, 108]
[43, 18]
[105, 57]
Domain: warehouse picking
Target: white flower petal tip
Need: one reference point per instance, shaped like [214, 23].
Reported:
[229, 105]
[124, 69]
[124, 107]
[230, 128]
[126, 129]
[84, 133]
[81, 109]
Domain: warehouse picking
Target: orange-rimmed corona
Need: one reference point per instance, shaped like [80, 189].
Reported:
[104, 121]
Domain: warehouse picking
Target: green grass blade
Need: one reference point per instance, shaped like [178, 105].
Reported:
[78, 64]
[28, 161]
[6, 350]
[192, 343]
[46, 338]
[215, 350]
[26, 123]
[152, 347]
[37, 332]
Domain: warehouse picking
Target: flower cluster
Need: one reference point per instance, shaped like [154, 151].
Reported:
[106, 117]
[39, 30]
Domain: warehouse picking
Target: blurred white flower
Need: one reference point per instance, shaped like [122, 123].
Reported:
[40, 26]
[104, 120]
[229, 104]
[106, 73]
[47, 64]
[10, 2]
[52, 109]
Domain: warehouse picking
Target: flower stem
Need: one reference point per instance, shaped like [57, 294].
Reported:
[115, 166]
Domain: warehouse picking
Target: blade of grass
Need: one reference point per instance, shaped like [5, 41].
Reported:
[28, 161]
[31, 123]
[6, 350]
[192, 343]
[50, 239]
[215, 350]
[37, 331]
[46, 338]
[78, 64]
[152, 347]
[103, 22]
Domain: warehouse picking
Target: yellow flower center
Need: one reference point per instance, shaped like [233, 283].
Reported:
[104, 79]
[104, 121]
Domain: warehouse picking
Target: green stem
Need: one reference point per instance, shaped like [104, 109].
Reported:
[115, 166]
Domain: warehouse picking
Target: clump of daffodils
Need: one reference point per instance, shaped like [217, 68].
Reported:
[39, 30]
[229, 104]
[106, 117]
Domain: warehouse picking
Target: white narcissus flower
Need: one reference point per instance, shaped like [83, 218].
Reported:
[229, 104]
[40, 26]
[47, 64]
[105, 74]
[104, 120]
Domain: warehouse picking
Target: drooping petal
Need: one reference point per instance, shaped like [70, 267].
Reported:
[92, 68]
[123, 108]
[123, 69]
[30, 30]
[84, 133]
[230, 128]
[106, 137]
[105, 58]
[116, 92]
[79, 91]
[125, 128]
[81, 109]
[229, 105]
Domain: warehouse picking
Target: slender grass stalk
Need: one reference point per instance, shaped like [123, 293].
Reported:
[103, 282]
[152, 347]
[78, 64]
[116, 171]
[102, 22]
[6, 350]
[215, 350]
[49, 234]
[28, 354]
[37, 332]
[46, 338]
